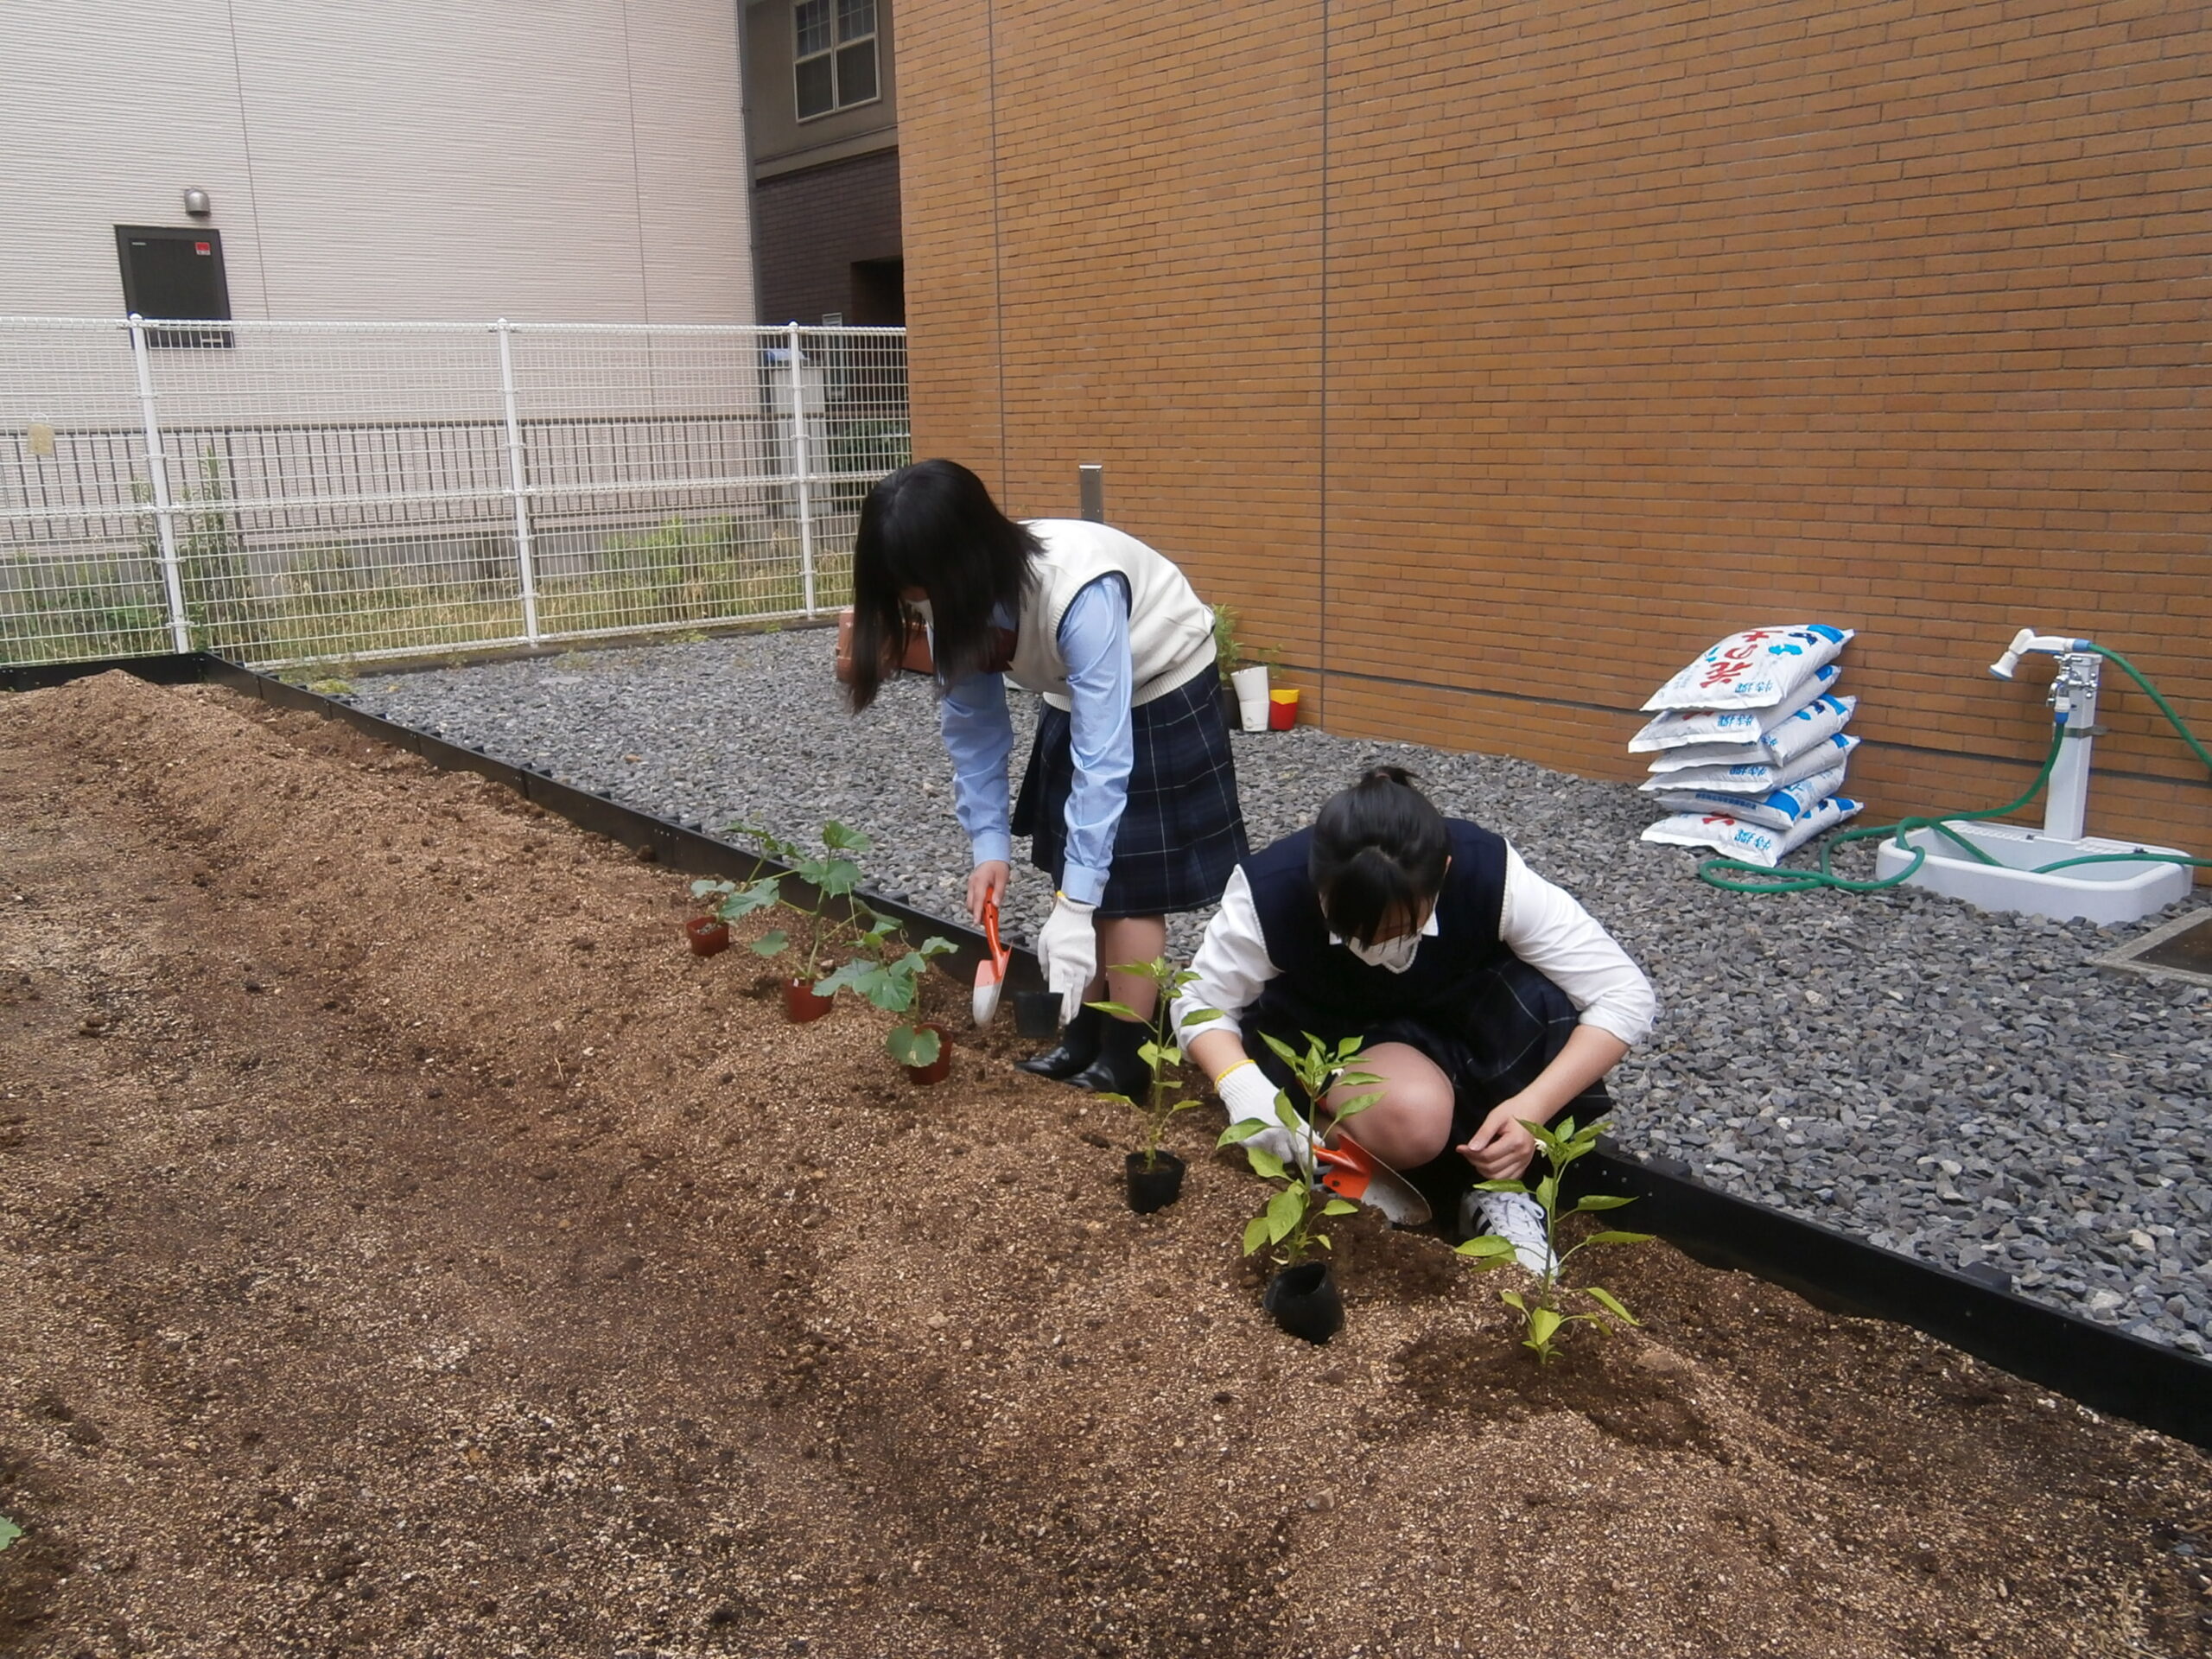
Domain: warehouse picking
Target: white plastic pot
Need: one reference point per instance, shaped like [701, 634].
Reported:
[1251, 685]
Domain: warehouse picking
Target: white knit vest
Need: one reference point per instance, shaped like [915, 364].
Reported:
[1171, 632]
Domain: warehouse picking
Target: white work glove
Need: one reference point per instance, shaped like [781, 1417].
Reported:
[1067, 950]
[1249, 1095]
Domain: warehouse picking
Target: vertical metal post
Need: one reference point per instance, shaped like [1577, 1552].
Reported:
[2066, 808]
[1090, 481]
[158, 465]
[801, 464]
[525, 555]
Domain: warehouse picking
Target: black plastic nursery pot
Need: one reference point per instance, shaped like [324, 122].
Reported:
[1154, 1188]
[1305, 1302]
[1977, 1310]
[1037, 1014]
[708, 936]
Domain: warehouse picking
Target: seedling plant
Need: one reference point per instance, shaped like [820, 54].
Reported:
[833, 874]
[885, 972]
[891, 978]
[1543, 1317]
[1289, 1227]
[1163, 1058]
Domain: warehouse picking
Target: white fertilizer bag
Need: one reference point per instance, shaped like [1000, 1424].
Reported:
[1784, 808]
[1755, 669]
[1676, 727]
[1757, 777]
[1784, 739]
[1751, 843]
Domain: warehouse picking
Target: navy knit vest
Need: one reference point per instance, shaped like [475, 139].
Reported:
[1325, 989]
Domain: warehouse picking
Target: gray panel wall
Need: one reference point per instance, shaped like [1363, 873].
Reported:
[564, 161]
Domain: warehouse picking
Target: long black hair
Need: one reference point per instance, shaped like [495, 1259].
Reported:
[1379, 852]
[933, 525]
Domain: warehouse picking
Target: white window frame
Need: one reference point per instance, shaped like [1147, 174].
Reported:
[872, 40]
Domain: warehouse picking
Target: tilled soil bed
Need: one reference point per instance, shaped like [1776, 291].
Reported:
[407, 1249]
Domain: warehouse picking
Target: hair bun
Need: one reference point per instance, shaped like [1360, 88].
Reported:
[1398, 775]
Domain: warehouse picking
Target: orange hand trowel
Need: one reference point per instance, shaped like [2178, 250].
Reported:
[990, 972]
[1349, 1171]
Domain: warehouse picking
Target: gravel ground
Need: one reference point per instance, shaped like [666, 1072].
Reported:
[1961, 1087]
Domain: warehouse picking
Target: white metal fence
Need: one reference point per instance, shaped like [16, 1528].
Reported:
[280, 492]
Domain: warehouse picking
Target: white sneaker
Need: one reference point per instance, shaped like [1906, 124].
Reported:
[1513, 1216]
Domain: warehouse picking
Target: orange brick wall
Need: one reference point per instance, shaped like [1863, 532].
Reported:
[1494, 359]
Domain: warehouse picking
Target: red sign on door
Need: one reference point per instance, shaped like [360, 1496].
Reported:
[203, 247]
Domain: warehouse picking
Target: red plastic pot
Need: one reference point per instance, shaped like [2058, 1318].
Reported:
[940, 1069]
[801, 1004]
[708, 936]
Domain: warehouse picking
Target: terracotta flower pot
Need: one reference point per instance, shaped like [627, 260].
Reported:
[940, 1069]
[708, 936]
[801, 1004]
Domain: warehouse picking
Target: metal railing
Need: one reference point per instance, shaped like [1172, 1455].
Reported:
[287, 491]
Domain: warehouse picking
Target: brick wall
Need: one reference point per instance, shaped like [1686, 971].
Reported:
[813, 226]
[1496, 360]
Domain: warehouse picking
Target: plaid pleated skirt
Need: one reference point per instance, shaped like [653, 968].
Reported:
[1507, 1024]
[1182, 831]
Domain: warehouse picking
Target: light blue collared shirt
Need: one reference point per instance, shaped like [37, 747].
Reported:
[1094, 639]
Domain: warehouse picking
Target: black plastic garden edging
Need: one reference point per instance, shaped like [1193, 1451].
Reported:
[1977, 1312]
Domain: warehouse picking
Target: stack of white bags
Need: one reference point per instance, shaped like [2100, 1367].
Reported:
[1750, 746]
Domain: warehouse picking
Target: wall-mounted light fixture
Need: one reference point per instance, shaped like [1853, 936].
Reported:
[196, 203]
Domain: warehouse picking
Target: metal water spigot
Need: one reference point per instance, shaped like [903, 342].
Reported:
[2028, 640]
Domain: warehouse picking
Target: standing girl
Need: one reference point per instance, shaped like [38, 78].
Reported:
[1129, 797]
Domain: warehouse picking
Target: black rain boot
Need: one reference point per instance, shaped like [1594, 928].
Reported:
[1077, 1048]
[1119, 1069]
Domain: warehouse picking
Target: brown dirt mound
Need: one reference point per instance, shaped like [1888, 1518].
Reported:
[406, 1248]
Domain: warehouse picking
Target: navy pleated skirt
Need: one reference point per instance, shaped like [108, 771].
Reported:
[1182, 832]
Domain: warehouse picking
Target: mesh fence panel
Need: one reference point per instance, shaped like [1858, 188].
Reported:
[331, 490]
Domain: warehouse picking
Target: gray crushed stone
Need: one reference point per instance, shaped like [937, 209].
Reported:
[1961, 1087]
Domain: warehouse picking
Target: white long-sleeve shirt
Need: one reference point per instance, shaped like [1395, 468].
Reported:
[1537, 922]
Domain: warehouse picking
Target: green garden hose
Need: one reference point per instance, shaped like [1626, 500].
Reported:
[1727, 873]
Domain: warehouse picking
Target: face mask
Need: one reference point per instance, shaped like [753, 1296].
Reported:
[1394, 955]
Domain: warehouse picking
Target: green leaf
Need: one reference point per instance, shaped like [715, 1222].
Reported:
[1604, 1298]
[1356, 1105]
[914, 1046]
[1489, 1248]
[1322, 1239]
[1243, 1129]
[1544, 1326]
[1512, 1299]
[1601, 1201]
[853, 976]
[1201, 1016]
[1287, 1115]
[706, 885]
[1120, 1100]
[1255, 1234]
[934, 946]
[1118, 1010]
[1265, 1163]
[771, 944]
[1284, 1051]
[1284, 1211]
[840, 839]
[1339, 1207]
[1501, 1187]
[745, 900]
[838, 877]
[9, 1532]
[1548, 1194]
[1618, 1238]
